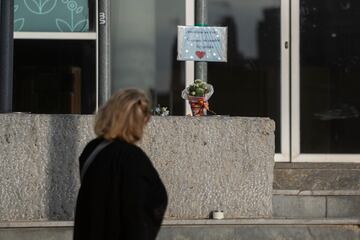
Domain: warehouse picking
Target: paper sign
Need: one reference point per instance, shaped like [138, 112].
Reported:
[205, 44]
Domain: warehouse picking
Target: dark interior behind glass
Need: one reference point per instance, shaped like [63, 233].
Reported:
[249, 83]
[330, 76]
[54, 76]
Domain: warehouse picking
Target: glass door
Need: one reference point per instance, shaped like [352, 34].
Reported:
[144, 47]
[326, 86]
[253, 83]
[255, 80]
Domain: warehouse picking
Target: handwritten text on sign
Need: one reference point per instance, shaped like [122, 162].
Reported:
[205, 44]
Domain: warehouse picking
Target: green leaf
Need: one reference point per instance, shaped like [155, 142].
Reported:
[200, 92]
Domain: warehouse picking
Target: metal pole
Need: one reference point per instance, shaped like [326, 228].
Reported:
[201, 19]
[6, 54]
[104, 52]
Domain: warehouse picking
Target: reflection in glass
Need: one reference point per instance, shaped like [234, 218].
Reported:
[249, 83]
[144, 34]
[330, 76]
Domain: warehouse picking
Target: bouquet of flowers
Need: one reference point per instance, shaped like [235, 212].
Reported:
[198, 95]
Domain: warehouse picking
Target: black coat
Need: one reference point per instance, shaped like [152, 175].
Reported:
[121, 195]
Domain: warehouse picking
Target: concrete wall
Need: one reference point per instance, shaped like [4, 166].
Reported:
[206, 163]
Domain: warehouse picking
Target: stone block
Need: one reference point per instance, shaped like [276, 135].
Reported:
[39, 174]
[37, 234]
[206, 163]
[213, 163]
[343, 206]
[327, 177]
[299, 206]
[252, 232]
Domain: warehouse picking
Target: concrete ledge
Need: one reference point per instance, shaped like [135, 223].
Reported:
[206, 163]
[316, 206]
[299, 206]
[37, 224]
[317, 176]
[210, 232]
[307, 165]
[263, 232]
[343, 206]
[272, 221]
[317, 192]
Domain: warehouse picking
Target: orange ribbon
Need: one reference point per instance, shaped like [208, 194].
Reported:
[199, 106]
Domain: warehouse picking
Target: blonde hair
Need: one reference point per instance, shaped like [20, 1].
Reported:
[124, 116]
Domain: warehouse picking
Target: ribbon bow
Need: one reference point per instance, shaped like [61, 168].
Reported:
[199, 106]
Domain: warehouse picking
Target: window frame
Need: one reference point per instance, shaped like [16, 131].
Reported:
[284, 156]
[56, 35]
[189, 65]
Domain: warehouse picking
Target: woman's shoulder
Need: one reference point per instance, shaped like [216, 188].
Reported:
[89, 147]
[136, 156]
[131, 154]
[136, 150]
[115, 145]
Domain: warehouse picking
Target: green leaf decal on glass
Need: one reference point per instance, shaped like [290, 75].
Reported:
[19, 24]
[79, 9]
[63, 26]
[72, 5]
[81, 25]
[40, 7]
[51, 15]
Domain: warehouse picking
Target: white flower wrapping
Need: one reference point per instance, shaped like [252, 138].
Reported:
[188, 96]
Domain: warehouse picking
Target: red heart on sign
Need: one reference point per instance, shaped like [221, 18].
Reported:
[200, 54]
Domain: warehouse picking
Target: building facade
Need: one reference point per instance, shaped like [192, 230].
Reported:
[296, 62]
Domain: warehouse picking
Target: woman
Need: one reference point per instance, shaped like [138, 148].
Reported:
[121, 194]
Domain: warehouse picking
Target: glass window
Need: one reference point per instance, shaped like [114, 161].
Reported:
[330, 76]
[54, 76]
[52, 15]
[144, 35]
[249, 83]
